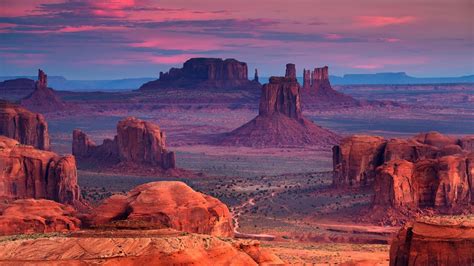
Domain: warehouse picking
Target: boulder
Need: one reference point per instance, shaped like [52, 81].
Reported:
[137, 142]
[434, 241]
[27, 172]
[280, 122]
[29, 216]
[24, 126]
[205, 73]
[165, 204]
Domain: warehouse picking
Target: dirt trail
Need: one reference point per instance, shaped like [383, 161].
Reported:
[236, 212]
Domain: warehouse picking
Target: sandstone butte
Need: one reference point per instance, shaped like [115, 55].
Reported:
[133, 247]
[43, 99]
[27, 172]
[428, 171]
[205, 73]
[24, 126]
[280, 121]
[165, 204]
[356, 159]
[445, 240]
[317, 90]
[137, 142]
[29, 216]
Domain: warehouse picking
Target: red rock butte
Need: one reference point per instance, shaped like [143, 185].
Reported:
[165, 204]
[280, 121]
[445, 240]
[24, 126]
[205, 73]
[137, 142]
[30, 173]
[43, 98]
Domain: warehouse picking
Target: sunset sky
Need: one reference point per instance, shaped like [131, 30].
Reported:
[107, 39]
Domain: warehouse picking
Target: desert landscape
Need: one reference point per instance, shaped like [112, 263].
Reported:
[211, 162]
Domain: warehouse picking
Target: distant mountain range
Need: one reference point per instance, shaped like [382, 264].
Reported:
[61, 83]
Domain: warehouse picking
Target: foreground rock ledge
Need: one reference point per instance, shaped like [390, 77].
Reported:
[132, 247]
[165, 204]
[443, 240]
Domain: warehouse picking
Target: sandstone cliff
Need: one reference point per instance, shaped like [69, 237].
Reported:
[26, 127]
[43, 98]
[355, 160]
[165, 204]
[137, 142]
[435, 241]
[30, 173]
[29, 216]
[280, 121]
[205, 73]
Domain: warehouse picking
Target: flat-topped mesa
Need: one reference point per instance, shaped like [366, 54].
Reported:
[137, 141]
[24, 126]
[281, 95]
[43, 99]
[30, 173]
[356, 159]
[205, 72]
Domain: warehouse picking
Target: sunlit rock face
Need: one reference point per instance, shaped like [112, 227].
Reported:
[165, 204]
[434, 241]
[24, 126]
[26, 172]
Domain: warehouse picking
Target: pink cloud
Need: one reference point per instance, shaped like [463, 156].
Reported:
[382, 21]
[171, 60]
[69, 29]
[368, 66]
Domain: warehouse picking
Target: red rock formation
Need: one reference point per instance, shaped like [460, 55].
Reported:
[43, 99]
[442, 183]
[136, 142]
[30, 173]
[355, 160]
[205, 73]
[317, 90]
[29, 216]
[26, 127]
[166, 204]
[434, 241]
[280, 121]
[255, 77]
[135, 247]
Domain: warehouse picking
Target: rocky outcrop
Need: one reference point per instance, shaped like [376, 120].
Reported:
[30, 173]
[165, 204]
[356, 159]
[255, 77]
[43, 98]
[205, 73]
[317, 90]
[434, 241]
[280, 121]
[26, 127]
[444, 183]
[30, 216]
[149, 247]
[137, 142]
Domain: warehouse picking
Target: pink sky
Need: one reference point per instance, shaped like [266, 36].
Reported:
[136, 38]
